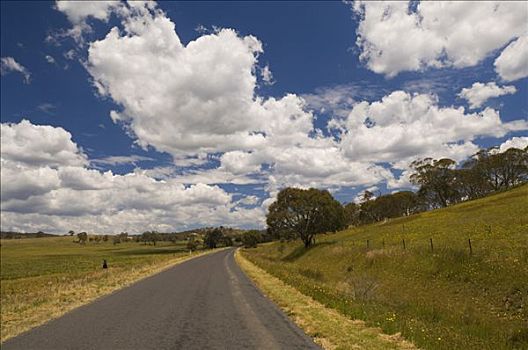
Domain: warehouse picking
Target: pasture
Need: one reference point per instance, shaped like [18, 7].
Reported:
[42, 278]
[439, 296]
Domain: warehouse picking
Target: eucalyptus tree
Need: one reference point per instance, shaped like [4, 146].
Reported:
[305, 213]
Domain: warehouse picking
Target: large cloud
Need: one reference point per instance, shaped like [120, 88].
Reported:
[512, 64]
[402, 126]
[394, 38]
[36, 145]
[200, 97]
[192, 98]
[45, 181]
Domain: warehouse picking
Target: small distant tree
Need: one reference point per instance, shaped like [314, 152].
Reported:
[251, 239]
[83, 237]
[123, 237]
[150, 237]
[352, 214]
[105, 238]
[154, 237]
[192, 245]
[501, 170]
[227, 241]
[405, 203]
[212, 238]
[116, 239]
[367, 211]
[470, 183]
[437, 181]
[145, 237]
[367, 196]
[305, 213]
[71, 232]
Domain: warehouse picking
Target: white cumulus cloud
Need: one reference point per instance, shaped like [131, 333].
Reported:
[79, 12]
[403, 126]
[194, 98]
[39, 145]
[515, 142]
[45, 184]
[512, 64]
[479, 93]
[393, 37]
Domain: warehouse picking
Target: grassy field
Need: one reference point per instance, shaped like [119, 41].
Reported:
[328, 328]
[444, 297]
[42, 278]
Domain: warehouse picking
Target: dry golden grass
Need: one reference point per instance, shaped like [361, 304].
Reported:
[329, 328]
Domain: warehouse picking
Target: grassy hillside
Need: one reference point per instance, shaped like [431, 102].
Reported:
[442, 297]
[42, 278]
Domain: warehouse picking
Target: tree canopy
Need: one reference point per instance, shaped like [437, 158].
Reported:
[436, 179]
[213, 238]
[305, 213]
[442, 184]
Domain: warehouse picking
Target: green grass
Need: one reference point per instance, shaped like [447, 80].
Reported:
[42, 278]
[328, 328]
[441, 299]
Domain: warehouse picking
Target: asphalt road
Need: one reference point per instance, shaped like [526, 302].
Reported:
[204, 303]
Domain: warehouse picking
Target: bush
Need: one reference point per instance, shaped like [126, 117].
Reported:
[227, 241]
[192, 245]
[250, 239]
[213, 237]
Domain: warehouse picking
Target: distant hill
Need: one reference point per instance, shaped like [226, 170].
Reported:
[19, 235]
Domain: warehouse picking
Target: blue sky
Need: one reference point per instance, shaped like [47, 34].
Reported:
[241, 100]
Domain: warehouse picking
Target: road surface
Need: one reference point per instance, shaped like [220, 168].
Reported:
[204, 303]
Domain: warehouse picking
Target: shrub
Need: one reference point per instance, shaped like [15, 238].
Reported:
[250, 239]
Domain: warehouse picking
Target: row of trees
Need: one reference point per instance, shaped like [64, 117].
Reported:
[249, 239]
[212, 237]
[299, 213]
[442, 184]
[372, 209]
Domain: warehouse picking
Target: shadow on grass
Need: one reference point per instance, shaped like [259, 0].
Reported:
[300, 251]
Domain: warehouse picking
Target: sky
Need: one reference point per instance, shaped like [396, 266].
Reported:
[132, 116]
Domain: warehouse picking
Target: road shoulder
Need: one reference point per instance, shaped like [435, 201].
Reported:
[328, 328]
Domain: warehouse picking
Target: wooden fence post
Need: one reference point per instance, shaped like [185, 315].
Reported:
[470, 247]
[368, 244]
[431, 241]
[403, 241]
